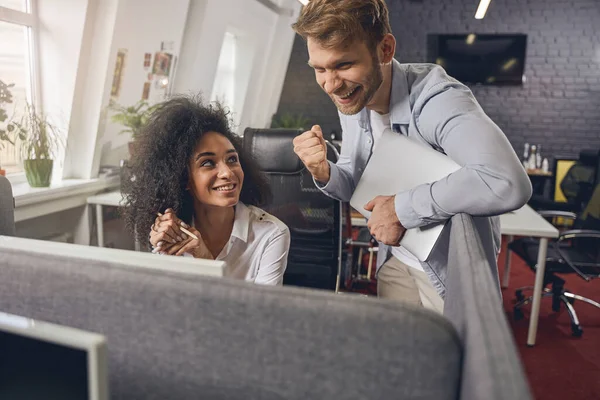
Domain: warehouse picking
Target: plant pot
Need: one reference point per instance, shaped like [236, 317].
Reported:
[38, 172]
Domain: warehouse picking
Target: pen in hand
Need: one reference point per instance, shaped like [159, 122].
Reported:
[184, 230]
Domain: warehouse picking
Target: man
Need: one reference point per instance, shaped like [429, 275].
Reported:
[351, 48]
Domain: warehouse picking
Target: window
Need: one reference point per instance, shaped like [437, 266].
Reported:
[17, 27]
[224, 86]
[19, 5]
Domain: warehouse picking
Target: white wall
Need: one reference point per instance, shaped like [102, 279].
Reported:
[78, 43]
[80, 46]
[79, 40]
[267, 89]
[92, 70]
[266, 40]
[60, 35]
[141, 27]
[194, 31]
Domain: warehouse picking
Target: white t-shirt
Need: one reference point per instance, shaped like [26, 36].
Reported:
[258, 248]
[379, 124]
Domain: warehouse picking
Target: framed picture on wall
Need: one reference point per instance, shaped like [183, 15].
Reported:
[162, 64]
[147, 60]
[118, 73]
[146, 91]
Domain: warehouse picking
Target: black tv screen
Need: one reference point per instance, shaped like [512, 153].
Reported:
[482, 59]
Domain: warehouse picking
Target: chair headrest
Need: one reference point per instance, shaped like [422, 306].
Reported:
[273, 149]
[589, 157]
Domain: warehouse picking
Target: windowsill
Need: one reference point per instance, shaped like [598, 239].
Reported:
[25, 195]
[16, 178]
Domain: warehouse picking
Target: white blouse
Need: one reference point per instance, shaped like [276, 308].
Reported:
[258, 248]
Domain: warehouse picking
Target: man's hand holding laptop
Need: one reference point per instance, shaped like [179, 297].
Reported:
[384, 224]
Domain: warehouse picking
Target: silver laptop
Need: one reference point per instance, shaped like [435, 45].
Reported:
[399, 163]
[44, 361]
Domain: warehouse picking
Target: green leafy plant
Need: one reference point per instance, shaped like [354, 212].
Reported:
[288, 120]
[5, 130]
[38, 139]
[134, 117]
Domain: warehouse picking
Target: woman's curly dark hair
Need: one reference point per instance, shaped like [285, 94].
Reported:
[160, 165]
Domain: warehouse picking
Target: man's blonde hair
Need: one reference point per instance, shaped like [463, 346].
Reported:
[335, 23]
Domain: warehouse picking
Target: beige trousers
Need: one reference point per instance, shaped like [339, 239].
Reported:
[398, 281]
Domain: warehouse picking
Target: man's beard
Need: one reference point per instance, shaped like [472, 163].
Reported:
[367, 91]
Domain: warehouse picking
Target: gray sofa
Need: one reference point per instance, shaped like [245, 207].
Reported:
[7, 208]
[176, 336]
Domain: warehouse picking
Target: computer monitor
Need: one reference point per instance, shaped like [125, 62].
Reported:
[185, 265]
[486, 59]
[40, 360]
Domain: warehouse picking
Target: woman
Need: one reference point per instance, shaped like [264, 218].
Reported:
[191, 171]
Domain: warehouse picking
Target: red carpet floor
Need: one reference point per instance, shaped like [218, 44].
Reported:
[559, 366]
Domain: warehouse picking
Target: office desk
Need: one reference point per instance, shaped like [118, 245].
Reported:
[526, 222]
[522, 222]
[114, 199]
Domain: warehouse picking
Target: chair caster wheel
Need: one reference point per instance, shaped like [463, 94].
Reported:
[577, 331]
[518, 314]
[555, 304]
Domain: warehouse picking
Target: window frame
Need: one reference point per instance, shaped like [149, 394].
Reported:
[27, 19]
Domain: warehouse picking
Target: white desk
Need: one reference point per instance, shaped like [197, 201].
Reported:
[114, 199]
[526, 222]
[68, 194]
[522, 222]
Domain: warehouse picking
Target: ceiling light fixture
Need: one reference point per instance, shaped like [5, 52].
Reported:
[482, 9]
[304, 2]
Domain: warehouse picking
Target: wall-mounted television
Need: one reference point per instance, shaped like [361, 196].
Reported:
[488, 59]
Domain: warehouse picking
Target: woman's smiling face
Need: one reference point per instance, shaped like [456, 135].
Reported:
[216, 176]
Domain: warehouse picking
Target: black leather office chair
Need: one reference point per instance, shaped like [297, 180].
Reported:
[576, 251]
[7, 208]
[313, 218]
[571, 190]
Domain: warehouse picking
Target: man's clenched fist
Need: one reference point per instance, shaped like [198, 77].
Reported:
[312, 150]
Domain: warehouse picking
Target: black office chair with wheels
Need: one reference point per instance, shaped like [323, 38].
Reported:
[574, 181]
[576, 251]
[314, 219]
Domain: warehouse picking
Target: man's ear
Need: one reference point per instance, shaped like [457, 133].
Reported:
[387, 48]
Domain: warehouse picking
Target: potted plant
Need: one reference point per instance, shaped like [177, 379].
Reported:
[5, 130]
[133, 118]
[288, 120]
[38, 142]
